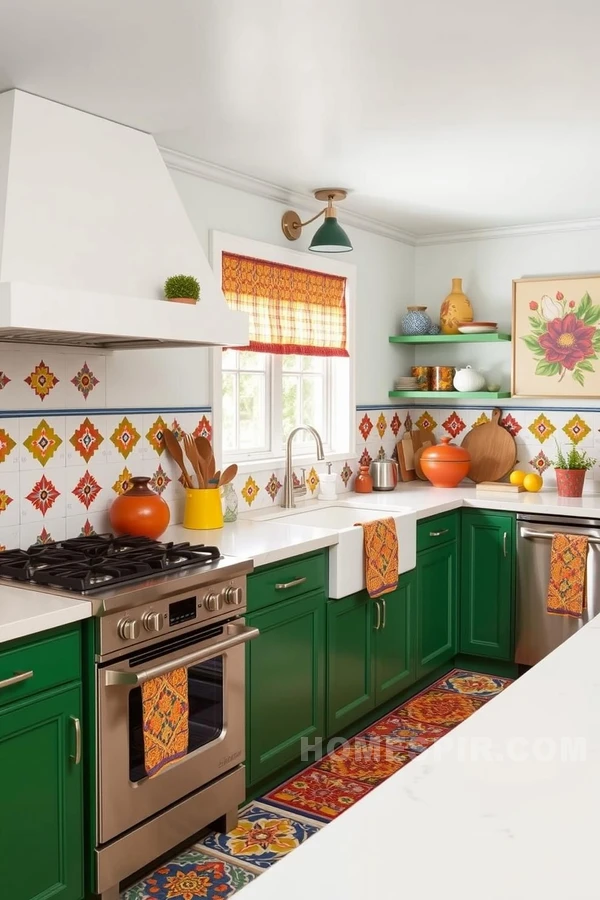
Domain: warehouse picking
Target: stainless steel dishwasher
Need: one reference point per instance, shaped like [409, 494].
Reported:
[539, 632]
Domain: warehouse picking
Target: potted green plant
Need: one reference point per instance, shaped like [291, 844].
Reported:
[182, 289]
[570, 470]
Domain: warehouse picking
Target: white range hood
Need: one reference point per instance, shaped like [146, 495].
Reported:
[91, 225]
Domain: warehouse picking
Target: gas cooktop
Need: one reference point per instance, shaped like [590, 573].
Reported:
[87, 564]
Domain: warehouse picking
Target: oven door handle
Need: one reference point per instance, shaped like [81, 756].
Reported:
[548, 535]
[118, 677]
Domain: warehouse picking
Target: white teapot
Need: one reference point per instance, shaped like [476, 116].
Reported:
[468, 380]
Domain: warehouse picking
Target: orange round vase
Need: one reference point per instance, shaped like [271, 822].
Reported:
[139, 511]
[445, 465]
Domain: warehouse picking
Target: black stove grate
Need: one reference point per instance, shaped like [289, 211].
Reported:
[92, 563]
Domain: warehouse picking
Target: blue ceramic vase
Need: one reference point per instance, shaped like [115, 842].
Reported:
[415, 321]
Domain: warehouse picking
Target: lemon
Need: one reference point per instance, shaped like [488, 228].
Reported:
[517, 477]
[533, 482]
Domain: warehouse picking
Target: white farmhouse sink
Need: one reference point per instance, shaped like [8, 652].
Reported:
[346, 558]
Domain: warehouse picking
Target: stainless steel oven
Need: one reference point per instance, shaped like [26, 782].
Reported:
[214, 659]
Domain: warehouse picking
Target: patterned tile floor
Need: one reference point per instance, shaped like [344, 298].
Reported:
[274, 825]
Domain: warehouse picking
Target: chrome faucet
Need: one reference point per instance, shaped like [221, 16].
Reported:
[289, 491]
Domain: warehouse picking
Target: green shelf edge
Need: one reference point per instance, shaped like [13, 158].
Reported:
[451, 395]
[449, 338]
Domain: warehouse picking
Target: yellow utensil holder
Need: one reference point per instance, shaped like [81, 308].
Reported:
[203, 509]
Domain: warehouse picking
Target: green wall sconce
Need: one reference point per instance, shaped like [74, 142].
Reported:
[330, 237]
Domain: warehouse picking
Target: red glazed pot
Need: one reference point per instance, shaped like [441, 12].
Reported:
[139, 511]
[445, 465]
[569, 482]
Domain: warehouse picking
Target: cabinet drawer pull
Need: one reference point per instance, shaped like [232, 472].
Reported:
[378, 622]
[383, 620]
[16, 679]
[286, 585]
[504, 544]
[439, 533]
[77, 726]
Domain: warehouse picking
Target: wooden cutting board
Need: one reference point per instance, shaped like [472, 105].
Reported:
[493, 450]
[418, 453]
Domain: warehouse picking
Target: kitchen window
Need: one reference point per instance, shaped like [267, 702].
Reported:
[259, 396]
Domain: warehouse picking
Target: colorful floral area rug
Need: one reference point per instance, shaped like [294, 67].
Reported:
[272, 826]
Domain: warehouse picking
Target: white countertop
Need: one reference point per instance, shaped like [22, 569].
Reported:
[24, 612]
[497, 809]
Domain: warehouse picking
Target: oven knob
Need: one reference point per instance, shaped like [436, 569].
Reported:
[153, 621]
[233, 595]
[213, 602]
[129, 629]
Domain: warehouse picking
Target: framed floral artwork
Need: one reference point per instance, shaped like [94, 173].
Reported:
[556, 337]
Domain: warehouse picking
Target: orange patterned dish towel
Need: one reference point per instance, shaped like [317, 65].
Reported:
[165, 712]
[566, 589]
[381, 556]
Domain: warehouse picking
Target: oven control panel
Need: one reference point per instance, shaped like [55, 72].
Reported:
[155, 620]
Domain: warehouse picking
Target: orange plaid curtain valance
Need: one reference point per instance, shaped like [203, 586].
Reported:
[291, 310]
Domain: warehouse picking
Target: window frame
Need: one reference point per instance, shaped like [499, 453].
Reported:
[342, 373]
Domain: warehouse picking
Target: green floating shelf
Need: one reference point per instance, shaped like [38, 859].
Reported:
[451, 395]
[493, 337]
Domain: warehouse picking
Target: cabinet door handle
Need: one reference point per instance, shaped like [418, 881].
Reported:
[383, 620]
[439, 533]
[16, 678]
[378, 622]
[286, 585]
[504, 544]
[76, 759]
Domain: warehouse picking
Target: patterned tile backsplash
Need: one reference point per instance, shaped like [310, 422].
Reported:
[64, 457]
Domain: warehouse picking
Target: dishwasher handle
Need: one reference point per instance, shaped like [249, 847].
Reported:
[548, 535]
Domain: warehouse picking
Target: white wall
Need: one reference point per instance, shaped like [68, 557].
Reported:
[487, 268]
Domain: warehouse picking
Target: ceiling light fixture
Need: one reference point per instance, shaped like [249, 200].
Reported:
[330, 237]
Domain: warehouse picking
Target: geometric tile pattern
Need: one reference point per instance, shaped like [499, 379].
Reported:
[156, 435]
[86, 439]
[87, 489]
[43, 442]
[44, 537]
[274, 825]
[250, 490]
[365, 458]
[203, 429]
[43, 495]
[365, 427]
[454, 425]
[395, 424]
[346, 474]
[542, 428]
[482, 419]
[273, 486]
[426, 422]
[576, 429]
[540, 462]
[160, 480]
[4, 380]
[312, 481]
[6, 444]
[511, 425]
[85, 381]
[122, 483]
[5, 500]
[125, 437]
[41, 380]
[381, 425]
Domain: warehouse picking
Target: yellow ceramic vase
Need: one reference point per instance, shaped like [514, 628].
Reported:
[456, 308]
[203, 509]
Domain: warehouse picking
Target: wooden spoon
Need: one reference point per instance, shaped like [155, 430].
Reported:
[214, 481]
[194, 458]
[172, 445]
[204, 447]
[228, 475]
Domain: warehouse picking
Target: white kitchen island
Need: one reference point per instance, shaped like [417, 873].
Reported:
[505, 806]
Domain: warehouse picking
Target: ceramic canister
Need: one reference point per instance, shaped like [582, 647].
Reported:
[423, 376]
[468, 379]
[415, 321]
[445, 464]
[442, 378]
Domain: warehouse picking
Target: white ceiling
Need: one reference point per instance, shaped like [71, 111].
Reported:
[440, 116]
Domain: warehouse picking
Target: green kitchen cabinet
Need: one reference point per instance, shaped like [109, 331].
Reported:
[41, 810]
[487, 584]
[370, 652]
[285, 683]
[394, 640]
[350, 683]
[437, 602]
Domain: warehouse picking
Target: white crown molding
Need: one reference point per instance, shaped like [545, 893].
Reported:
[192, 165]
[508, 231]
[182, 162]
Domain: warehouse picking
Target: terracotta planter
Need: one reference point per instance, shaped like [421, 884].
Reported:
[139, 511]
[569, 482]
[445, 465]
[182, 300]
